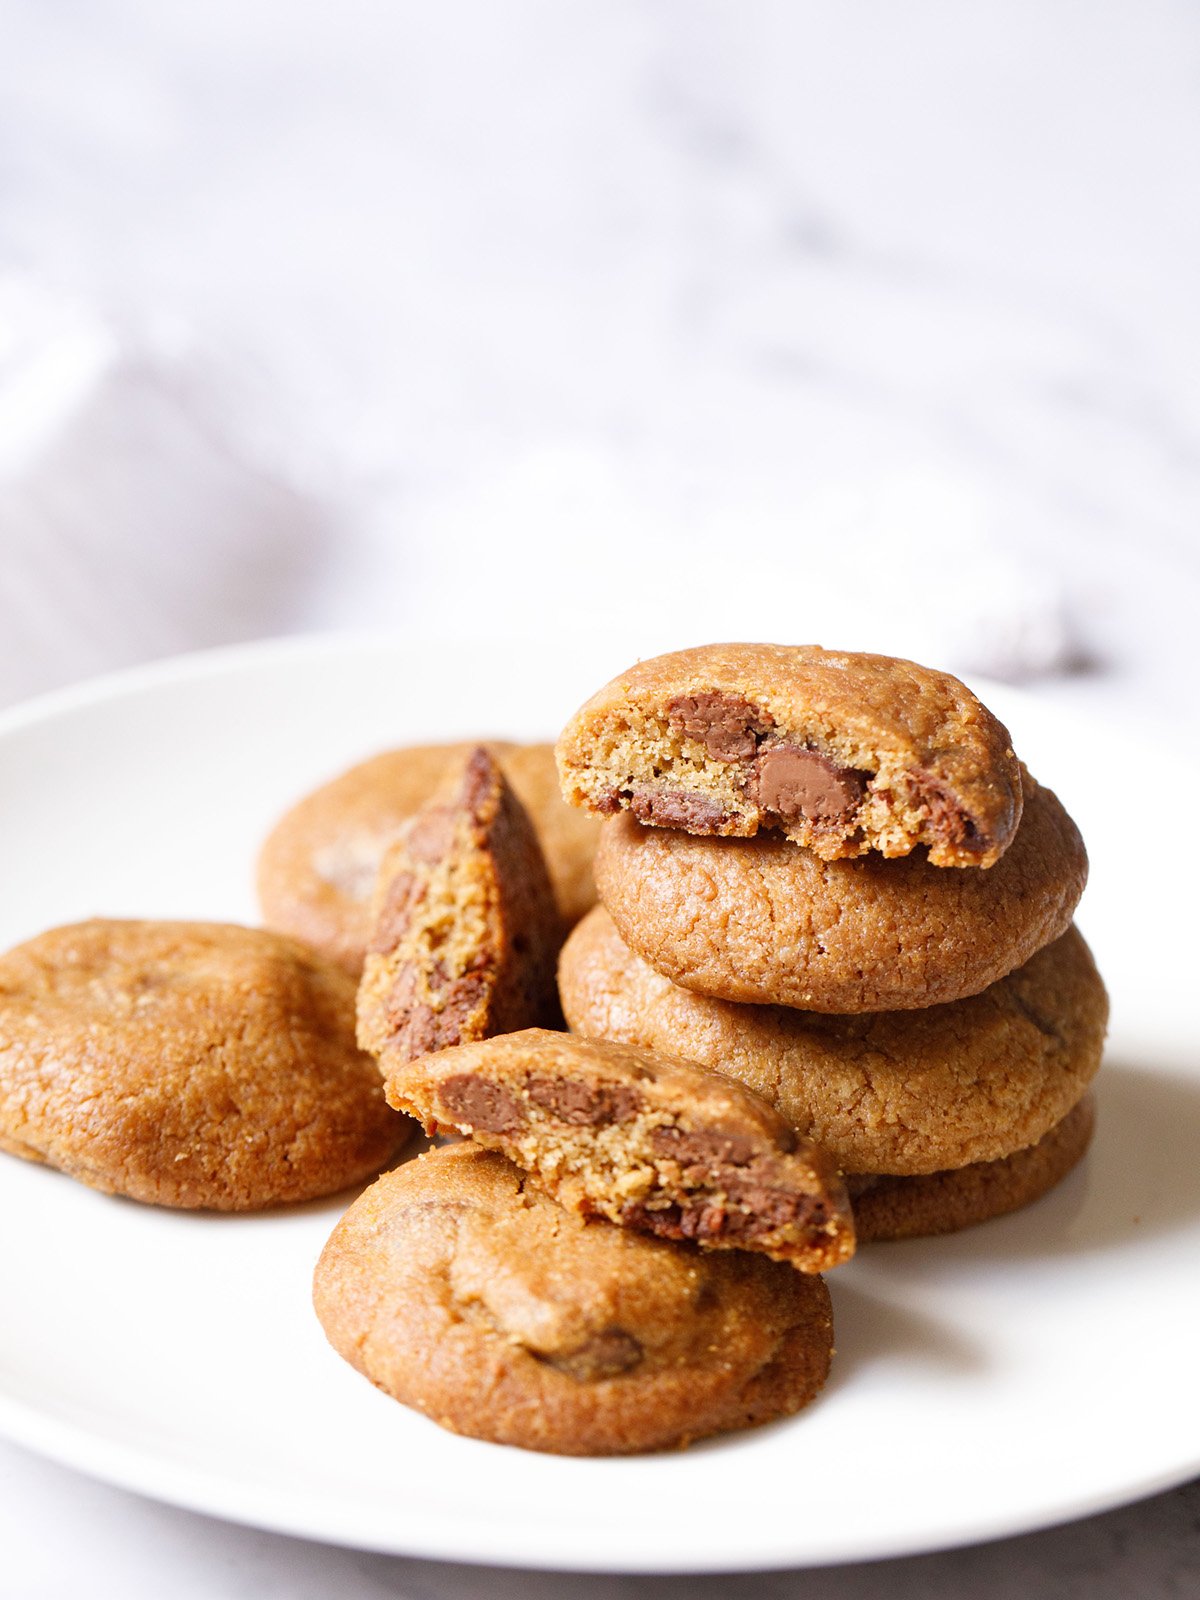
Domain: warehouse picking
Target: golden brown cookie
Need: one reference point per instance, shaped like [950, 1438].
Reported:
[764, 921]
[944, 1202]
[460, 1291]
[647, 1141]
[843, 753]
[188, 1064]
[317, 869]
[465, 924]
[897, 1092]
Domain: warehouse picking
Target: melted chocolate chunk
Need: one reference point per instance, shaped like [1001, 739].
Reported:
[582, 1104]
[702, 1149]
[404, 895]
[947, 819]
[605, 1355]
[473, 1101]
[753, 1212]
[794, 782]
[675, 808]
[728, 725]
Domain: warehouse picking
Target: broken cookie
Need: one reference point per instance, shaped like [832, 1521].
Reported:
[650, 1142]
[843, 753]
[465, 924]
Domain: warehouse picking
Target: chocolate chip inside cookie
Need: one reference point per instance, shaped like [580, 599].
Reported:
[844, 753]
[655, 1144]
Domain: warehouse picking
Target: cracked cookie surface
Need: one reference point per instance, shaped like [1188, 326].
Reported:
[317, 867]
[188, 1064]
[652, 1143]
[461, 1290]
[764, 921]
[897, 1092]
[841, 752]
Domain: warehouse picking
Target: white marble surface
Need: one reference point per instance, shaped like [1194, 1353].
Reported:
[873, 324]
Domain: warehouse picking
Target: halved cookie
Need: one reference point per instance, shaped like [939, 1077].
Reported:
[647, 1141]
[318, 866]
[844, 753]
[465, 924]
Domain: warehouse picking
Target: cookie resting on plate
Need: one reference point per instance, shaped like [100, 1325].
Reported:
[188, 1064]
[459, 1289]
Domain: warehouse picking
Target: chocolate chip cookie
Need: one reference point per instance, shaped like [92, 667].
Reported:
[897, 1092]
[842, 753]
[188, 1064]
[944, 1202]
[465, 924]
[764, 921]
[462, 1291]
[652, 1143]
[317, 869]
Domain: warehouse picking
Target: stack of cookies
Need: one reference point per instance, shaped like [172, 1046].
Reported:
[827, 876]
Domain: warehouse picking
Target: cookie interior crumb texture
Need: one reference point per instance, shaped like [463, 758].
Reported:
[318, 866]
[188, 1064]
[648, 1142]
[466, 928]
[841, 752]
[459, 1289]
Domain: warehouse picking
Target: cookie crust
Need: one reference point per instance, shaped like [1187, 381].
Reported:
[841, 752]
[318, 866]
[762, 921]
[188, 1064]
[897, 1092]
[647, 1141]
[945, 1202]
[460, 1290]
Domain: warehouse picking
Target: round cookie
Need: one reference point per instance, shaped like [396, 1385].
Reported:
[768, 922]
[317, 868]
[897, 1092]
[464, 1293]
[944, 1202]
[842, 752]
[188, 1064]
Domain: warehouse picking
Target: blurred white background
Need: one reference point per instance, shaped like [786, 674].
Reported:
[867, 324]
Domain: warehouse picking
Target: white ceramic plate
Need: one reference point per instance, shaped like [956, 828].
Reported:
[1026, 1372]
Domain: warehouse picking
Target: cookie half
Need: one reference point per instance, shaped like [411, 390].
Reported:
[465, 925]
[649, 1142]
[897, 1092]
[762, 921]
[844, 753]
[188, 1064]
[462, 1291]
[945, 1202]
[317, 868]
